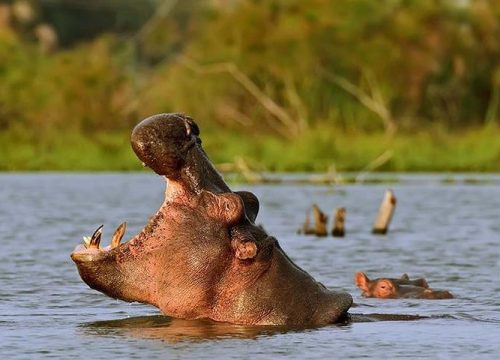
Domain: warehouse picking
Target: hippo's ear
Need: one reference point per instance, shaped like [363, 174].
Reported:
[246, 247]
[226, 207]
[251, 204]
[243, 244]
[405, 277]
[421, 282]
[362, 281]
[245, 250]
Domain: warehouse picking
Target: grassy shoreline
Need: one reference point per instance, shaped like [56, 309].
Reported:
[318, 150]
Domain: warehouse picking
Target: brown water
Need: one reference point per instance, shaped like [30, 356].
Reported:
[445, 231]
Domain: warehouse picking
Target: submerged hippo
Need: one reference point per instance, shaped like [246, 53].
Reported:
[388, 288]
[201, 255]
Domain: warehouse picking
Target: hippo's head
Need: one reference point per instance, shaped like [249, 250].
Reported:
[390, 288]
[200, 255]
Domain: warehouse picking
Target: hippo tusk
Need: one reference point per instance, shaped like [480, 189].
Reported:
[95, 240]
[118, 235]
[86, 241]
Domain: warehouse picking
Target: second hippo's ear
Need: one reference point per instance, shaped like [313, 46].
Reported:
[226, 207]
[405, 277]
[251, 204]
[421, 282]
[362, 281]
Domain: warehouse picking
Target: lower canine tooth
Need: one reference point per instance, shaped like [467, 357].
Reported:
[118, 235]
[95, 240]
[86, 240]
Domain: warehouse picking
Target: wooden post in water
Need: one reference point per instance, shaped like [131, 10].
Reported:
[320, 220]
[381, 224]
[306, 227]
[338, 229]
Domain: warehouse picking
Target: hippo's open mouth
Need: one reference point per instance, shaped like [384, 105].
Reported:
[201, 255]
[165, 143]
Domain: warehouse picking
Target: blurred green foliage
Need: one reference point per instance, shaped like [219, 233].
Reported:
[287, 84]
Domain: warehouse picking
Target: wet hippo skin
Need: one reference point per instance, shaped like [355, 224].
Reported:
[201, 255]
[390, 288]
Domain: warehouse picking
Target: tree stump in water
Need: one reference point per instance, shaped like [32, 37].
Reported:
[306, 227]
[338, 229]
[320, 220]
[381, 224]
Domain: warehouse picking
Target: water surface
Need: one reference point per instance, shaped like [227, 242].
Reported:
[446, 231]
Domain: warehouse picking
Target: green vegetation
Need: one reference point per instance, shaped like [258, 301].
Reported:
[318, 150]
[285, 85]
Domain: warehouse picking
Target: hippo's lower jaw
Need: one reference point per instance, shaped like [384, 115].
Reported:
[201, 255]
[106, 268]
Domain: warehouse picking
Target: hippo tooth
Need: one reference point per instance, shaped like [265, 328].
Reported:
[86, 240]
[118, 235]
[95, 240]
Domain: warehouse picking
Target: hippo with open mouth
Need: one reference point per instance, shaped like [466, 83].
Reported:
[201, 255]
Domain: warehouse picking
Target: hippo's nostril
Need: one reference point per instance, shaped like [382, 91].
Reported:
[191, 127]
[188, 128]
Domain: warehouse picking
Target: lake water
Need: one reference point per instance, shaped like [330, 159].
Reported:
[446, 231]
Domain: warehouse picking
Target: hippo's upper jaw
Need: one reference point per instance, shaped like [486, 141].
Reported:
[170, 145]
[201, 255]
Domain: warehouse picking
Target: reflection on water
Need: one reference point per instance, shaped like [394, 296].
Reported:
[447, 232]
[174, 330]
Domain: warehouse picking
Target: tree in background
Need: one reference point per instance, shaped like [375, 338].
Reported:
[279, 68]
